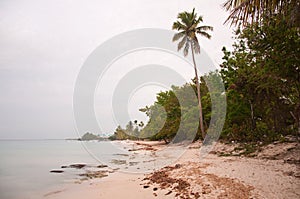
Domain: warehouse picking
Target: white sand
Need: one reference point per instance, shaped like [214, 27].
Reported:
[213, 177]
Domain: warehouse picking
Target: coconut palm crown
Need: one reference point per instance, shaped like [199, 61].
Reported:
[187, 25]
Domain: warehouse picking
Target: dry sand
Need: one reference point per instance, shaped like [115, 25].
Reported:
[272, 173]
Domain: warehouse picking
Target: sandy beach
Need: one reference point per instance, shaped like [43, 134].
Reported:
[271, 173]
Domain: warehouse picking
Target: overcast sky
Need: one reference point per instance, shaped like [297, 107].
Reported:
[44, 43]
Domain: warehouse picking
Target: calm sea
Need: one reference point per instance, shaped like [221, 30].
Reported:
[25, 165]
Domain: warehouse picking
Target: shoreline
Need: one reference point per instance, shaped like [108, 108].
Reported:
[213, 177]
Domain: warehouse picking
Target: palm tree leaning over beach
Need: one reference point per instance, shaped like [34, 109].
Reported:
[187, 25]
[249, 11]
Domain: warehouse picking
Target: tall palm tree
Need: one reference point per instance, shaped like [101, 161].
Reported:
[188, 27]
[253, 10]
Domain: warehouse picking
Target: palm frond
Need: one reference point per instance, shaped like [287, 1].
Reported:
[196, 46]
[187, 24]
[205, 28]
[178, 26]
[249, 11]
[192, 16]
[229, 4]
[186, 48]
[178, 36]
[200, 19]
[184, 18]
[204, 34]
[181, 43]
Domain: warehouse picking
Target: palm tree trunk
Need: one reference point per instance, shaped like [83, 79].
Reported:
[199, 95]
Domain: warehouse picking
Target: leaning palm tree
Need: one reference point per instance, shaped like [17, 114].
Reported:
[188, 27]
[249, 11]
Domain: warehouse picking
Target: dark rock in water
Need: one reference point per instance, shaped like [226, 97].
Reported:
[63, 167]
[56, 171]
[155, 189]
[102, 166]
[93, 174]
[146, 186]
[77, 166]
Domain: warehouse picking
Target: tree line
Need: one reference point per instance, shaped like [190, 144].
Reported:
[261, 76]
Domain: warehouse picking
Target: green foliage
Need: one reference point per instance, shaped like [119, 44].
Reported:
[175, 113]
[131, 131]
[188, 27]
[119, 134]
[262, 83]
[164, 113]
[262, 79]
[89, 136]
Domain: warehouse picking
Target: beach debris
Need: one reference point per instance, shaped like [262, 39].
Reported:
[177, 166]
[133, 163]
[81, 165]
[168, 193]
[56, 171]
[180, 179]
[118, 162]
[148, 149]
[132, 149]
[54, 192]
[297, 175]
[145, 147]
[102, 166]
[206, 189]
[163, 179]
[152, 160]
[93, 174]
[197, 195]
[77, 166]
[292, 173]
[121, 154]
[90, 171]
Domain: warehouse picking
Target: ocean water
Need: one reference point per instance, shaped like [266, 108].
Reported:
[25, 165]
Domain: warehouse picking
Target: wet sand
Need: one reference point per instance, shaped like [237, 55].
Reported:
[272, 173]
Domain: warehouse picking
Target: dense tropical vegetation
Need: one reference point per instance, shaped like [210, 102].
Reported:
[262, 77]
[132, 131]
[90, 136]
[262, 83]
